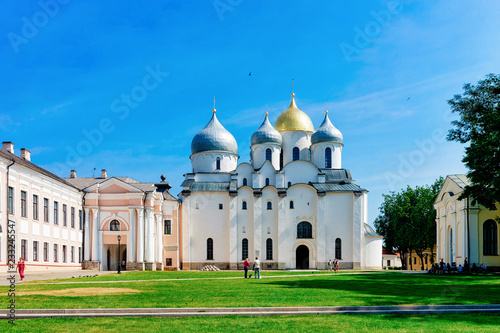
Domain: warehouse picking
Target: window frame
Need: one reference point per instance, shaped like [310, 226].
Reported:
[24, 207]
[35, 207]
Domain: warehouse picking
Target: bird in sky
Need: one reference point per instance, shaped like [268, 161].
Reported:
[250, 74]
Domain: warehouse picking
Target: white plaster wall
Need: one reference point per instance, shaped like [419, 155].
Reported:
[244, 170]
[292, 139]
[206, 162]
[318, 154]
[372, 253]
[259, 155]
[339, 224]
[300, 172]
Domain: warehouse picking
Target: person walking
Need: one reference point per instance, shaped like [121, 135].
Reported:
[330, 265]
[246, 265]
[256, 267]
[20, 267]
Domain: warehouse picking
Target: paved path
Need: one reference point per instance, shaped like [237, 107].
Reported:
[191, 312]
[51, 275]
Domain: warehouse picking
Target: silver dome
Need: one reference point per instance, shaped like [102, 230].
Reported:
[214, 137]
[266, 134]
[327, 132]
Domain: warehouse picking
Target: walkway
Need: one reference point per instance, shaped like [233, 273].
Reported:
[283, 311]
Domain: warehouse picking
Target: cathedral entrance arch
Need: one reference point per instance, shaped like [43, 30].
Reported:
[302, 257]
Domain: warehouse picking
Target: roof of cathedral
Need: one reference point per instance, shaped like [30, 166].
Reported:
[368, 231]
[337, 175]
[294, 119]
[326, 132]
[266, 134]
[460, 180]
[329, 187]
[214, 137]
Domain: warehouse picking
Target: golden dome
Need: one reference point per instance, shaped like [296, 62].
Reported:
[294, 119]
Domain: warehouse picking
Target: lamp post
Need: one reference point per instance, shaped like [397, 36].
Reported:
[119, 262]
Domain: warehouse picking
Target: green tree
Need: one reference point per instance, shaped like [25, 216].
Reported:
[407, 220]
[479, 127]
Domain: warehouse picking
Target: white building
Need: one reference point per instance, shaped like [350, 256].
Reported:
[41, 212]
[293, 205]
[465, 230]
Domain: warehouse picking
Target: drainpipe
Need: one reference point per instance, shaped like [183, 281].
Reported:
[7, 214]
[468, 231]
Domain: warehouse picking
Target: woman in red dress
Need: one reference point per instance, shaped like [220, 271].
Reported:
[20, 267]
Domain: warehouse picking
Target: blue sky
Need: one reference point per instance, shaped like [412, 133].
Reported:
[385, 69]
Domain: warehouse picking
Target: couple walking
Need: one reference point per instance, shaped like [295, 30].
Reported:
[256, 267]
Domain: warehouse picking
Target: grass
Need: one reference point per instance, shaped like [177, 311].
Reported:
[309, 290]
[317, 323]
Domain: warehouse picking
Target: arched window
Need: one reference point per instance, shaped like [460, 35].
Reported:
[304, 230]
[490, 237]
[210, 249]
[245, 182]
[268, 154]
[244, 205]
[291, 204]
[289, 184]
[114, 225]
[267, 181]
[217, 164]
[269, 205]
[244, 249]
[328, 158]
[269, 249]
[295, 155]
[268, 230]
[281, 159]
[338, 248]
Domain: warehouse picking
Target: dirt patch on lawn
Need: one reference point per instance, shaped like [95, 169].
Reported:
[81, 292]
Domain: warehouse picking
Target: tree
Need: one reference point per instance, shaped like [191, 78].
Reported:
[479, 126]
[407, 220]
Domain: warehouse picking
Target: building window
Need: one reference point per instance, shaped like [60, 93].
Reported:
[244, 249]
[80, 216]
[64, 253]
[244, 205]
[289, 184]
[35, 251]
[35, 207]
[72, 254]
[490, 237]
[304, 230]
[56, 212]
[338, 248]
[217, 163]
[168, 261]
[269, 249]
[80, 254]
[210, 249]
[328, 158]
[197, 206]
[268, 230]
[268, 154]
[167, 227]
[269, 205]
[281, 159]
[221, 206]
[65, 215]
[291, 204]
[24, 249]
[10, 205]
[45, 251]
[296, 154]
[45, 210]
[24, 209]
[267, 181]
[56, 255]
[73, 217]
[244, 230]
[114, 225]
[245, 182]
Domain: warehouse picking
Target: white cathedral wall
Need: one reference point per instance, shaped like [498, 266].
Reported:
[299, 139]
[300, 172]
[259, 155]
[206, 162]
[318, 154]
[372, 253]
[244, 170]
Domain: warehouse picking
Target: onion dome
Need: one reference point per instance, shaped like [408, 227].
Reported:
[327, 132]
[293, 119]
[266, 134]
[214, 137]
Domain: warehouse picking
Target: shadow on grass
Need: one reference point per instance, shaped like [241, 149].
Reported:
[403, 289]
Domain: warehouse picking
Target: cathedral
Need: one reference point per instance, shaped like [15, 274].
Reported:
[293, 206]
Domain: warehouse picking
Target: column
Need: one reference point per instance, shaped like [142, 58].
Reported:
[159, 239]
[87, 230]
[95, 240]
[150, 243]
[140, 235]
[132, 236]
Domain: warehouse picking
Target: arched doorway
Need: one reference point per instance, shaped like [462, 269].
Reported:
[302, 257]
[109, 260]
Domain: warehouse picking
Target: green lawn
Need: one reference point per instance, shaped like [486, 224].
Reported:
[318, 323]
[310, 290]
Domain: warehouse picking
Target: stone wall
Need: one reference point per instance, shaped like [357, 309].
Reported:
[91, 265]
